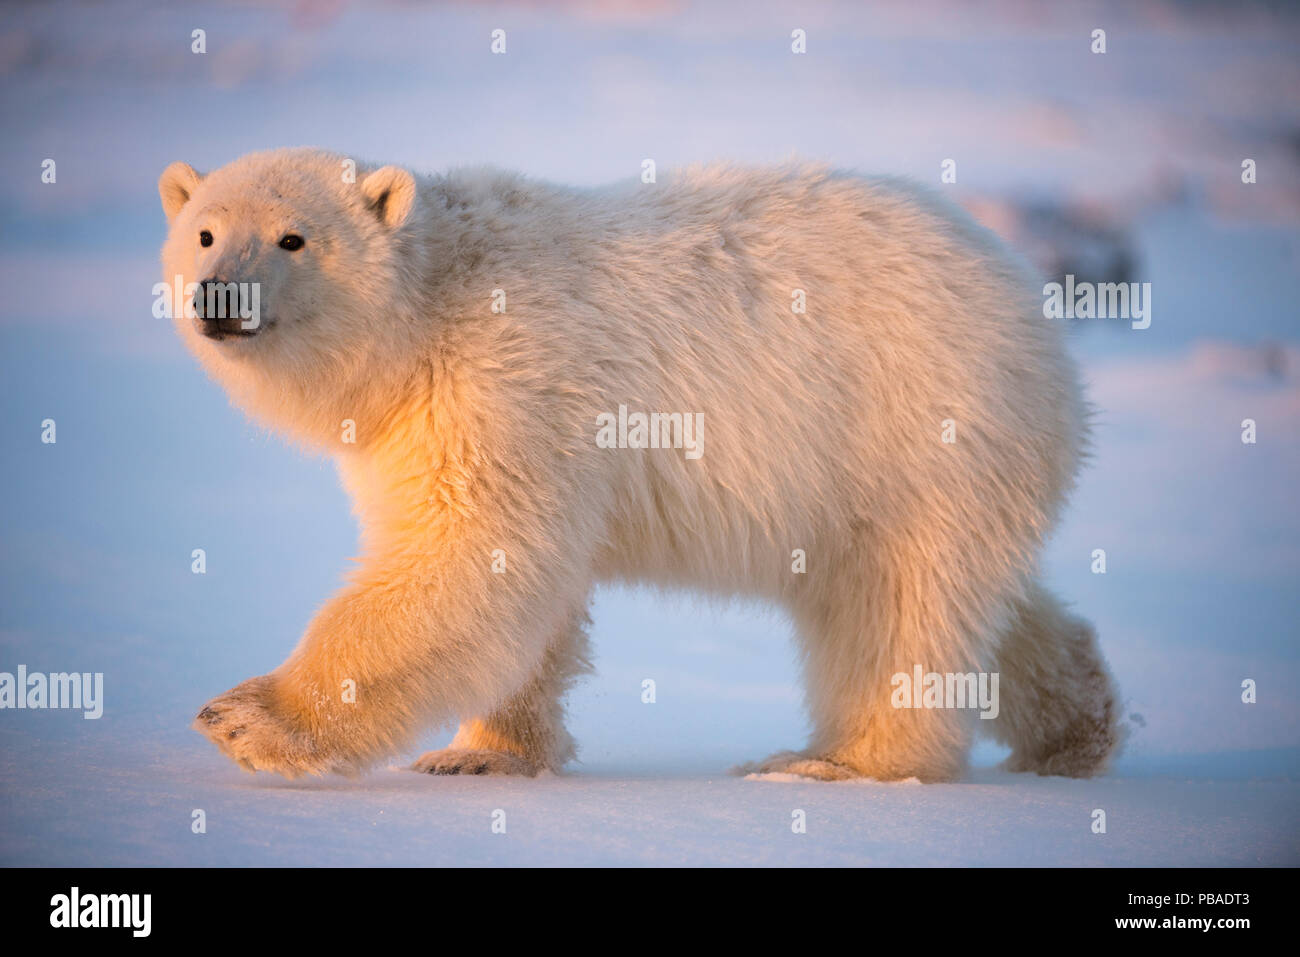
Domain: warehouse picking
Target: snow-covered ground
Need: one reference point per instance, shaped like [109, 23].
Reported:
[1202, 533]
[652, 787]
[91, 806]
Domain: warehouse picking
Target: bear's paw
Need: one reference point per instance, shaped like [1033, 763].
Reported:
[473, 761]
[244, 724]
[792, 762]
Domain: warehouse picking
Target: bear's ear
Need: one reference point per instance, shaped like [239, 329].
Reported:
[176, 186]
[390, 193]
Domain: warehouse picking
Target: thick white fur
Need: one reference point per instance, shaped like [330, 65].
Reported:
[476, 432]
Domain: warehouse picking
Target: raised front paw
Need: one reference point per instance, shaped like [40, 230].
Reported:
[249, 728]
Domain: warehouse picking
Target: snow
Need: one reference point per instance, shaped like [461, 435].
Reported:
[652, 787]
[75, 805]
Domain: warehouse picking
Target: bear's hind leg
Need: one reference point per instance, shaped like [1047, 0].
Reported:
[526, 734]
[875, 613]
[1059, 710]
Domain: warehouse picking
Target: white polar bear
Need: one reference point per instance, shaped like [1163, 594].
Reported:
[885, 428]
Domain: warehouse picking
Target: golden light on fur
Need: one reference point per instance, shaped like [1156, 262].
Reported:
[474, 435]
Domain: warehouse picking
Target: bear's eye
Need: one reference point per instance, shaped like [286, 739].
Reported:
[205, 238]
[291, 242]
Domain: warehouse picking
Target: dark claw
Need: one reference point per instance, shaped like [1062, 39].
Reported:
[454, 769]
[480, 769]
[208, 715]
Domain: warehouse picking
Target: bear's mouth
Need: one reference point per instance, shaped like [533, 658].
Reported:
[219, 330]
[217, 335]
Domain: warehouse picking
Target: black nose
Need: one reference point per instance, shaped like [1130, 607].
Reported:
[217, 305]
[216, 299]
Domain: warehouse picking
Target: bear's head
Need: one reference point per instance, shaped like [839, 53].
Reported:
[294, 275]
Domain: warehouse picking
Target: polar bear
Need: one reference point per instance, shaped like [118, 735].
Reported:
[883, 428]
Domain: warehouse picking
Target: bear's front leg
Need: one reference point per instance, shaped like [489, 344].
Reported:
[462, 594]
[525, 735]
[408, 645]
